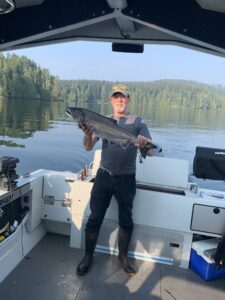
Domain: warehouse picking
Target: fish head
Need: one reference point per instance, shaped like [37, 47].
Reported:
[76, 113]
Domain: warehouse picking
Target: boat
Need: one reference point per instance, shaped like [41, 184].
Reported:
[169, 214]
[49, 208]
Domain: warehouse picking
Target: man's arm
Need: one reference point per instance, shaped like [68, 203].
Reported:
[89, 139]
[144, 137]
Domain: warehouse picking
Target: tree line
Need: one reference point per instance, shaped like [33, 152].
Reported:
[21, 77]
[175, 93]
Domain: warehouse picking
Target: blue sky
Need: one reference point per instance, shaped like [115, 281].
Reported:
[93, 60]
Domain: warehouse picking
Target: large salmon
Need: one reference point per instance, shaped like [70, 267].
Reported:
[106, 128]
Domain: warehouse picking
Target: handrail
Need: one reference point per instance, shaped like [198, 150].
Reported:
[157, 188]
[9, 8]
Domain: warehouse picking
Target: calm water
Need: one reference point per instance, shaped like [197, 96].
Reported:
[41, 135]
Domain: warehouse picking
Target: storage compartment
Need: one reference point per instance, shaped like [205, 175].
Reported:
[209, 219]
[57, 196]
[201, 260]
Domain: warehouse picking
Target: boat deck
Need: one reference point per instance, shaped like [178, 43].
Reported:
[49, 272]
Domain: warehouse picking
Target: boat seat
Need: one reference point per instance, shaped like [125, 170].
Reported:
[156, 170]
[164, 171]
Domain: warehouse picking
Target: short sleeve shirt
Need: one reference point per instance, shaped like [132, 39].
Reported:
[118, 159]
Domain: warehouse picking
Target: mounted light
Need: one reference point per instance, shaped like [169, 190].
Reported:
[6, 6]
[128, 48]
[214, 5]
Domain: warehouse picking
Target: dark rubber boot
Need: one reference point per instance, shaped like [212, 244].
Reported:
[123, 244]
[91, 237]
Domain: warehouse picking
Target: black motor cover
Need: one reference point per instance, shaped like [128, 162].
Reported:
[209, 163]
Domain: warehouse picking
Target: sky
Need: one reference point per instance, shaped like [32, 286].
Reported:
[95, 60]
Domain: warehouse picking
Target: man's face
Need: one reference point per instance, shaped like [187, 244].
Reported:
[119, 102]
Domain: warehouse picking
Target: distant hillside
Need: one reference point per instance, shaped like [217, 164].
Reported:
[20, 77]
[176, 93]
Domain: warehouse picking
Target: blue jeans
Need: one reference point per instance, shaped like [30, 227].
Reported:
[123, 187]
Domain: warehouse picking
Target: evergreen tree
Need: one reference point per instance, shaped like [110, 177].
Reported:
[20, 77]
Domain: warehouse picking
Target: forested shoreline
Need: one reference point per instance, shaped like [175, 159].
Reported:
[21, 77]
[175, 93]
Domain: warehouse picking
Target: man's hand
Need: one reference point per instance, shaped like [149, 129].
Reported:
[89, 138]
[142, 141]
[88, 130]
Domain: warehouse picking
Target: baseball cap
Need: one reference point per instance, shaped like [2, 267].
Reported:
[120, 88]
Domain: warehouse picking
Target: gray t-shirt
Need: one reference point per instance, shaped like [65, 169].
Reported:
[114, 157]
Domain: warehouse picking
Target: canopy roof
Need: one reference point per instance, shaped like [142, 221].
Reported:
[198, 24]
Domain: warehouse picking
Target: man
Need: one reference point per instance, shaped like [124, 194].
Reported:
[115, 176]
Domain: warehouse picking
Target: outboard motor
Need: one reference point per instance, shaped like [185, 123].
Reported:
[8, 174]
[209, 163]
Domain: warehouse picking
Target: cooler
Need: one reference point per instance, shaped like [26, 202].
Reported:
[202, 262]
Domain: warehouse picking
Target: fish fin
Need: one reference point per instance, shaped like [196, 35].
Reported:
[112, 120]
[144, 152]
[108, 141]
[82, 125]
[124, 145]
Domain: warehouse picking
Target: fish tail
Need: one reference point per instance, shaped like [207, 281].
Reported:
[144, 150]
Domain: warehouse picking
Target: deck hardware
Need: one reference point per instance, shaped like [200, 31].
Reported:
[67, 202]
[49, 199]
[175, 245]
[193, 188]
[216, 210]
[69, 180]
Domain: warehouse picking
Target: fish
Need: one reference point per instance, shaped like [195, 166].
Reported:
[107, 128]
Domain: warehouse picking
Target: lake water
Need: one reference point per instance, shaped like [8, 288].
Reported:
[43, 137]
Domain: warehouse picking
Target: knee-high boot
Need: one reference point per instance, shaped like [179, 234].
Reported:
[91, 236]
[123, 244]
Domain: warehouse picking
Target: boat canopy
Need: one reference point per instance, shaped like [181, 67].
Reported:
[127, 24]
